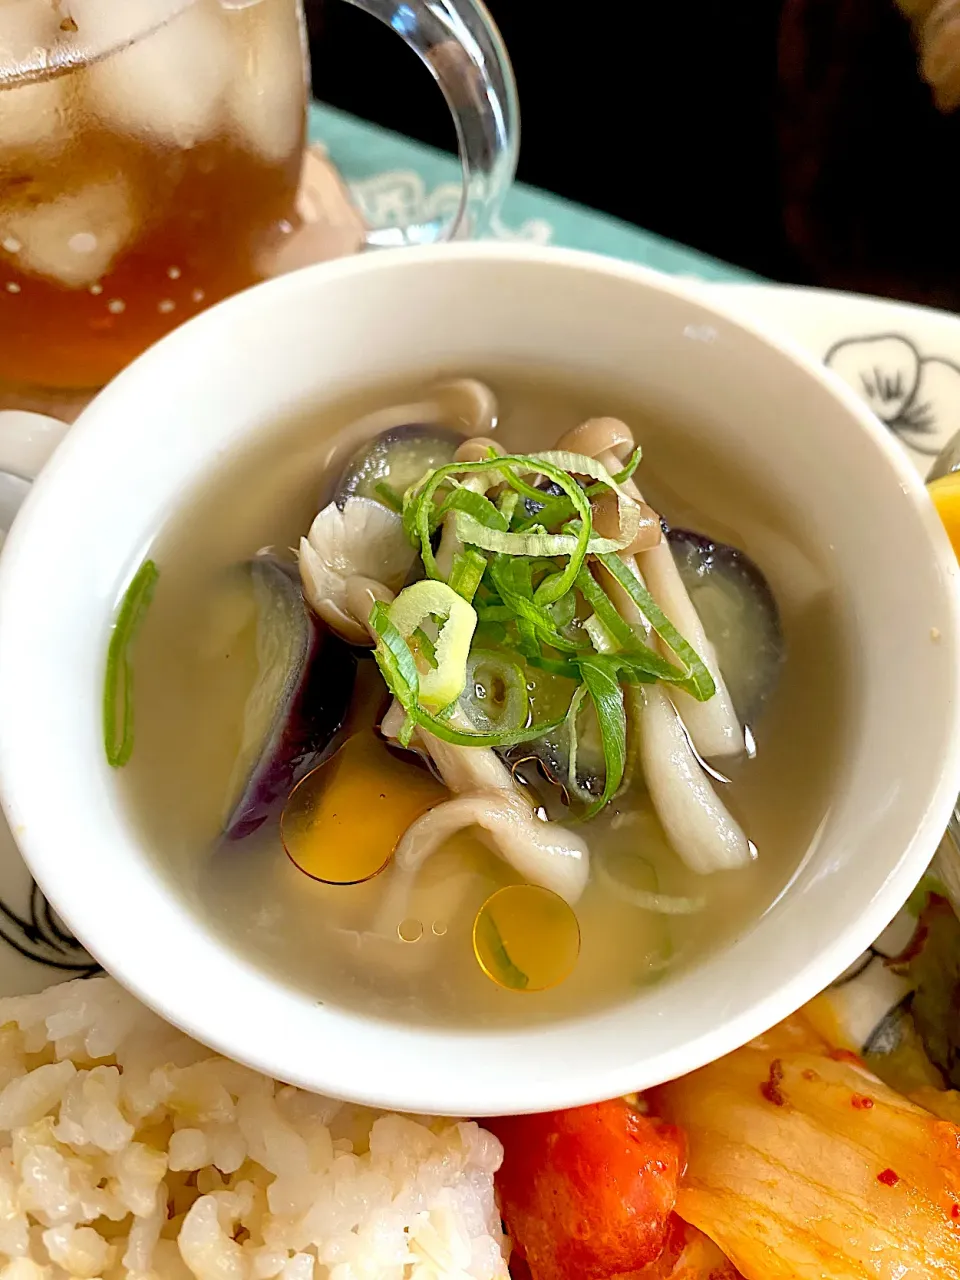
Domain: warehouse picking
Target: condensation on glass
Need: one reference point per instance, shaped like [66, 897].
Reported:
[150, 154]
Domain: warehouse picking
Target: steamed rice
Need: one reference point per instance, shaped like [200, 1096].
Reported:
[127, 1149]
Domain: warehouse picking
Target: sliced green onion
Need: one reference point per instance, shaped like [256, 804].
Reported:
[396, 662]
[578, 464]
[573, 745]
[490, 635]
[487, 939]
[533, 544]
[621, 477]
[564, 610]
[507, 504]
[701, 684]
[457, 619]
[555, 511]
[400, 674]
[514, 480]
[607, 697]
[516, 576]
[600, 637]
[527, 640]
[606, 611]
[389, 496]
[467, 501]
[503, 571]
[495, 697]
[467, 572]
[664, 904]
[118, 685]
[419, 512]
[505, 738]
[407, 730]
[609, 631]
[495, 613]
[555, 666]
[426, 646]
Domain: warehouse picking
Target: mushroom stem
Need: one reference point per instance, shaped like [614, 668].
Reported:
[544, 853]
[695, 819]
[462, 769]
[713, 725]
[474, 450]
[697, 823]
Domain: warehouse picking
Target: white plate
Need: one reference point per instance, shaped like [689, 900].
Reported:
[905, 362]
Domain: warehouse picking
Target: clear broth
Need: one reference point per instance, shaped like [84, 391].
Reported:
[194, 667]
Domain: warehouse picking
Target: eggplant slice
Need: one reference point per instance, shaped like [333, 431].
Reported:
[739, 615]
[305, 677]
[548, 757]
[741, 619]
[394, 460]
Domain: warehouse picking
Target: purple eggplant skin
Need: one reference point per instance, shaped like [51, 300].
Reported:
[299, 702]
[531, 507]
[398, 457]
[739, 614]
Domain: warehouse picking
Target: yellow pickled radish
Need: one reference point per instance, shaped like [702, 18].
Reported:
[945, 494]
[526, 938]
[342, 823]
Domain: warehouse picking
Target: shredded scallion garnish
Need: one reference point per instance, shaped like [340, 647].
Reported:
[467, 573]
[508, 974]
[526, 569]
[389, 496]
[607, 697]
[118, 684]
[702, 683]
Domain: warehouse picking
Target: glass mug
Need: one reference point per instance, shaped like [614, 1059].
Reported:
[150, 157]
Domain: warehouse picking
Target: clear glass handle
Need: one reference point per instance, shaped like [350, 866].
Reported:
[459, 43]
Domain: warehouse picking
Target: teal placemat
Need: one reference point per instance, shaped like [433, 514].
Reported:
[395, 180]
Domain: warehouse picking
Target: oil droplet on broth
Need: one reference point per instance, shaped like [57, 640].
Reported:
[410, 930]
[526, 938]
[342, 823]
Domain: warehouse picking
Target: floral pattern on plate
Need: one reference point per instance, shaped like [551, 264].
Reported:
[913, 394]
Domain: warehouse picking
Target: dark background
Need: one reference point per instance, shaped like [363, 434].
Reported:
[791, 137]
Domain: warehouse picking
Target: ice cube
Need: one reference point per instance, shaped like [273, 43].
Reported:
[74, 238]
[268, 101]
[170, 84]
[31, 115]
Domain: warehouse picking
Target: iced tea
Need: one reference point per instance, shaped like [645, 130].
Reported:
[149, 157]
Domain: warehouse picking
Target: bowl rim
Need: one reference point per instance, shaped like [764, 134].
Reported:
[165, 994]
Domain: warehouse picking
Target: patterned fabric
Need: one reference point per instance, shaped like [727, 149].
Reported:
[395, 181]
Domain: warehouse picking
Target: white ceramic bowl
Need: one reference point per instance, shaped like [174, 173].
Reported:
[240, 366]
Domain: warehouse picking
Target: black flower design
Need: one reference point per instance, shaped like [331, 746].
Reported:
[40, 936]
[917, 397]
